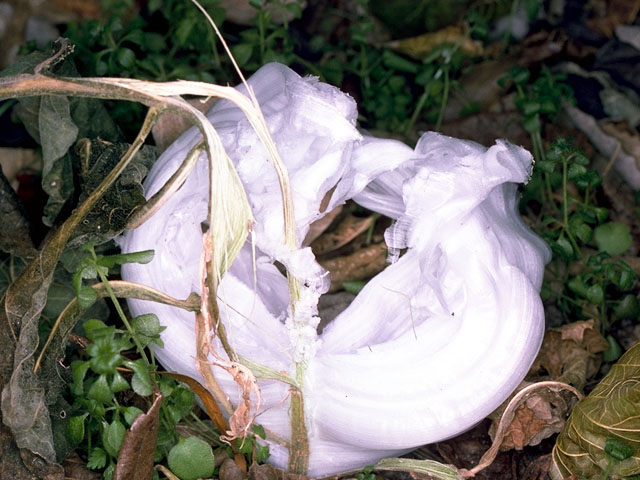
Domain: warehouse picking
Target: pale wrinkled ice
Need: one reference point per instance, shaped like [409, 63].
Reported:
[429, 347]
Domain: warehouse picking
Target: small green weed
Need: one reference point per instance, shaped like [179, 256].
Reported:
[588, 275]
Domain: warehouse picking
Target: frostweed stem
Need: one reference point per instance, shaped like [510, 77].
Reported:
[299, 448]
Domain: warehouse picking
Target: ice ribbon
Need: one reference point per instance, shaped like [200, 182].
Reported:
[429, 347]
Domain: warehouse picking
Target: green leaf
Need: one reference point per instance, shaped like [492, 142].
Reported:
[191, 459]
[96, 329]
[396, 62]
[629, 307]
[78, 371]
[75, 428]
[100, 390]
[87, 296]
[532, 124]
[184, 29]
[112, 437]
[118, 383]
[242, 53]
[126, 58]
[143, 257]
[532, 7]
[97, 459]
[613, 352]
[613, 238]
[563, 247]
[259, 431]
[105, 355]
[610, 411]
[141, 380]
[595, 294]
[131, 413]
[618, 449]
[353, 287]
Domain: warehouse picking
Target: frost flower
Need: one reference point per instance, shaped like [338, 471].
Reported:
[429, 347]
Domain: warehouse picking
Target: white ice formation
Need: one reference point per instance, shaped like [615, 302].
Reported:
[429, 347]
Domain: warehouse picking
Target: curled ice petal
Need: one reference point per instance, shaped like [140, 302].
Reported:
[430, 346]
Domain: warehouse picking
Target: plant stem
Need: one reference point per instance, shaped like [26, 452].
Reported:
[445, 99]
[416, 112]
[565, 209]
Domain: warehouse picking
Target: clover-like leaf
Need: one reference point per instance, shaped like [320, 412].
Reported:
[191, 458]
[613, 238]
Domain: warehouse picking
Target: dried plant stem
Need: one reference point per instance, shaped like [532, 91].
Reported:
[173, 184]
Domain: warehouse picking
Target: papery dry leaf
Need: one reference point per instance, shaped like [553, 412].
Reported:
[628, 137]
[242, 418]
[542, 46]
[269, 472]
[230, 471]
[422, 45]
[318, 227]
[75, 468]
[348, 229]
[618, 12]
[569, 353]
[541, 415]
[136, 457]
[360, 265]
[510, 408]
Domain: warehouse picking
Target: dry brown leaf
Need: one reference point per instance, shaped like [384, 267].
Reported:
[618, 12]
[318, 227]
[171, 125]
[209, 403]
[269, 472]
[242, 418]
[348, 229]
[422, 45]
[230, 471]
[569, 353]
[75, 468]
[512, 425]
[136, 457]
[628, 137]
[541, 415]
[361, 265]
[17, 160]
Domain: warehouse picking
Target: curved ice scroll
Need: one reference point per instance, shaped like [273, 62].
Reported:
[430, 346]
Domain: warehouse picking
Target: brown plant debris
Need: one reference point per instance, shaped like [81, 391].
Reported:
[136, 457]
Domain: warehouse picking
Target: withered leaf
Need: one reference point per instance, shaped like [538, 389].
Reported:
[56, 122]
[15, 240]
[420, 46]
[569, 353]
[269, 472]
[230, 471]
[135, 460]
[348, 229]
[361, 265]
[541, 415]
[609, 412]
[110, 215]
[209, 403]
